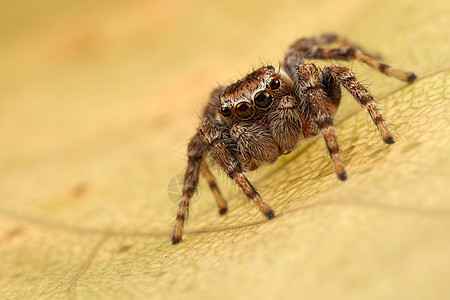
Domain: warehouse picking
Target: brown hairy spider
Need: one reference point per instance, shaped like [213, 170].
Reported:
[267, 113]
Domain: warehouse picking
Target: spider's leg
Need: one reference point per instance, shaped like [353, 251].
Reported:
[217, 137]
[310, 48]
[308, 86]
[211, 110]
[332, 89]
[347, 79]
[221, 203]
[196, 149]
[196, 162]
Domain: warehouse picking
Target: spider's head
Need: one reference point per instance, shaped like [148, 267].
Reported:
[252, 95]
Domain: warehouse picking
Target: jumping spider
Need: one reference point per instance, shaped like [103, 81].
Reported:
[267, 113]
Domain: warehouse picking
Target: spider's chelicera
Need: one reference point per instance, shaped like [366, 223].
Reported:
[266, 114]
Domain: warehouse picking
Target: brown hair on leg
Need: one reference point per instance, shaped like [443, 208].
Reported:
[196, 149]
[347, 79]
[221, 203]
[307, 81]
[310, 48]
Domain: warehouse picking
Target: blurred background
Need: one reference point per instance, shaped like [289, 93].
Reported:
[98, 100]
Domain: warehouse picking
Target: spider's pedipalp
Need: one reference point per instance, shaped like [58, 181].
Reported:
[216, 138]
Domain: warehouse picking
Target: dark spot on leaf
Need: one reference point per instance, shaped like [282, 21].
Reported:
[124, 248]
[14, 232]
[410, 147]
[81, 189]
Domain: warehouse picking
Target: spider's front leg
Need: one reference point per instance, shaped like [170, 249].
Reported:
[223, 148]
[197, 163]
[309, 88]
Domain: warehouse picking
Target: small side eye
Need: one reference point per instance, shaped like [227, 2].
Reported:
[244, 110]
[225, 111]
[263, 99]
[274, 84]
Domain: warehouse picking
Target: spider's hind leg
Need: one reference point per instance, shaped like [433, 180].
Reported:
[312, 48]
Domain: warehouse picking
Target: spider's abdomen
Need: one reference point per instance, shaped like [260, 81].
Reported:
[255, 145]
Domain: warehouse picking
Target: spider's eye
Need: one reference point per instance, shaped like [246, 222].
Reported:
[244, 110]
[274, 84]
[225, 111]
[263, 99]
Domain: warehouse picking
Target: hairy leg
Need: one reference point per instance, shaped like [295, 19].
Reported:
[332, 89]
[310, 48]
[196, 149]
[347, 79]
[221, 203]
[196, 162]
[211, 110]
[307, 82]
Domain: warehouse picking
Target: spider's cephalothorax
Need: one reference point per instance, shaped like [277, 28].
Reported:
[266, 114]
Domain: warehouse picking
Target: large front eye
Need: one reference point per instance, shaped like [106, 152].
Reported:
[244, 110]
[263, 99]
